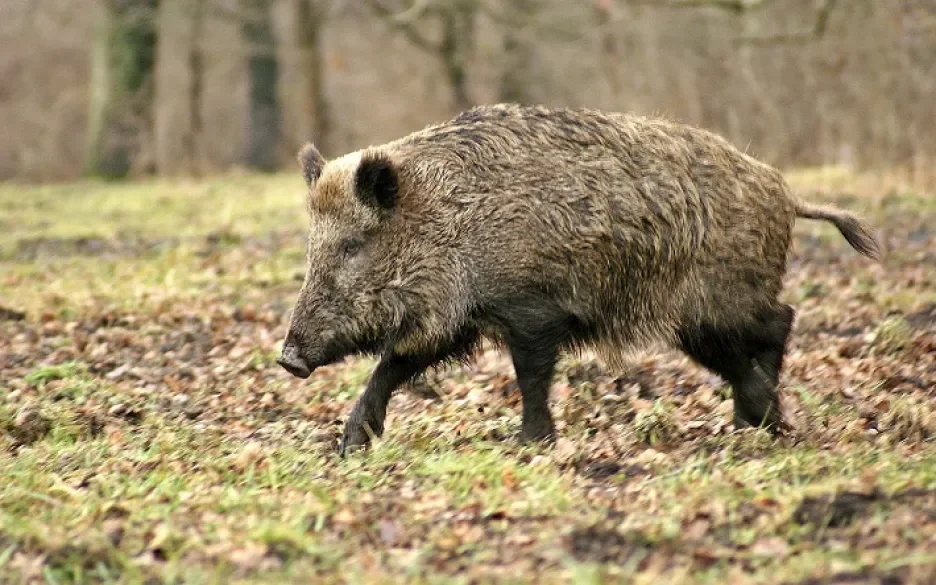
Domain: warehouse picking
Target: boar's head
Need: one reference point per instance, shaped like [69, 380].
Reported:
[352, 299]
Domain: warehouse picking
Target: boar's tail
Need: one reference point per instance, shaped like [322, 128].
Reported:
[856, 232]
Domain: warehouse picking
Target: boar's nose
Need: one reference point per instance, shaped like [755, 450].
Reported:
[292, 362]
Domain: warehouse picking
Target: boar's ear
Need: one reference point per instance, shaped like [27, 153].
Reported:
[311, 162]
[375, 181]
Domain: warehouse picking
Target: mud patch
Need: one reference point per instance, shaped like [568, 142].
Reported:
[844, 508]
[604, 469]
[129, 245]
[854, 578]
[598, 545]
[834, 511]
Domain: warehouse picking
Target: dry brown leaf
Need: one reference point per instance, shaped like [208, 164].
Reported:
[248, 557]
[697, 529]
[770, 546]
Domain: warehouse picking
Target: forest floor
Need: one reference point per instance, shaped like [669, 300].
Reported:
[147, 435]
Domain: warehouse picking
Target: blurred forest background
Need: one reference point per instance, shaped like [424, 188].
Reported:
[173, 87]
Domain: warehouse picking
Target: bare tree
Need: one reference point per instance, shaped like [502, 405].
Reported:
[264, 126]
[799, 82]
[454, 21]
[122, 88]
[196, 66]
[604, 11]
[311, 17]
[519, 53]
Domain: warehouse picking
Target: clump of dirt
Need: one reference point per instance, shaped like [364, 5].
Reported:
[11, 314]
[28, 426]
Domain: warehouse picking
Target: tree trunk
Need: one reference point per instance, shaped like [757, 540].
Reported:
[517, 61]
[263, 109]
[196, 66]
[457, 43]
[310, 25]
[610, 63]
[121, 100]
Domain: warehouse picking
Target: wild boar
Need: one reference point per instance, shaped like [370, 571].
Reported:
[546, 231]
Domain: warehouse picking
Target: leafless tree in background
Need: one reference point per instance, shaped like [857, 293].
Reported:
[196, 70]
[122, 89]
[310, 18]
[797, 82]
[264, 125]
[518, 65]
[454, 23]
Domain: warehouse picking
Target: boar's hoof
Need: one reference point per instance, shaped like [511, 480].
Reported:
[541, 433]
[776, 426]
[354, 438]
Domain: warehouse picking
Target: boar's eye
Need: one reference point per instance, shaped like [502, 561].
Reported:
[350, 247]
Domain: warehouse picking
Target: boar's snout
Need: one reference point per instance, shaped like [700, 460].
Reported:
[292, 362]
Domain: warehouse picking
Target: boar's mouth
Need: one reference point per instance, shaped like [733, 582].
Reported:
[302, 363]
[294, 363]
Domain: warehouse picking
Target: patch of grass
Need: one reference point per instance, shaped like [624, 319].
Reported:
[892, 334]
[157, 208]
[147, 435]
[908, 420]
[811, 290]
[44, 374]
[656, 426]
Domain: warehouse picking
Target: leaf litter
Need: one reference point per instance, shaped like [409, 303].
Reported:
[156, 416]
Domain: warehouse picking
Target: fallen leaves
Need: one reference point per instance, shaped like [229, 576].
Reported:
[772, 547]
[249, 455]
[166, 400]
[251, 556]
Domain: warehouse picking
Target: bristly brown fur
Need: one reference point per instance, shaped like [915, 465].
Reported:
[550, 230]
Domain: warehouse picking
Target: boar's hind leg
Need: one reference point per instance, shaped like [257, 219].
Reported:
[370, 410]
[535, 338]
[535, 368]
[749, 359]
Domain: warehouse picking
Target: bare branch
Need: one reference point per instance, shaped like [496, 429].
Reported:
[810, 35]
[511, 21]
[404, 24]
[740, 7]
[734, 6]
[414, 12]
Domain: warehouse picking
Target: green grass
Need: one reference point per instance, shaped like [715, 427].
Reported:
[147, 435]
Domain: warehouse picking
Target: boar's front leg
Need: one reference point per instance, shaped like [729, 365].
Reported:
[371, 407]
[393, 371]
